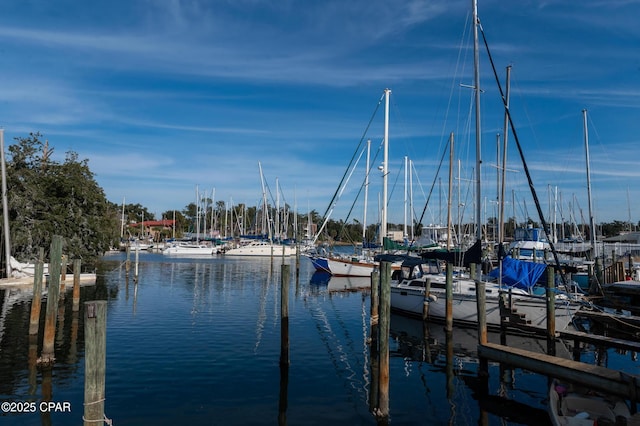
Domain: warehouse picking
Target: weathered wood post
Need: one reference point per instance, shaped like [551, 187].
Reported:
[95, 325]
[481, 300]
[449, 299]
[63, 274]
[385, 321]
[36, 301]
[52, 300]
[127, 263]
[284, 314]
[60, 320]
[373, 346]
[551, 311]
[284, 344]
[76, 285]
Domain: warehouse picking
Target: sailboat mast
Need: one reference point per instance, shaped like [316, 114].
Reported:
[505, 132]
[366, 193]
[592, 225]
[265, 218]
[122, 221]
[5, 208]
[412, 220]
[406, 196]
[385, 167]
[476, 67]
[450, 192]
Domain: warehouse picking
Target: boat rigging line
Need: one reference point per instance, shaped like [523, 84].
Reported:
[339, 189]
[545, 226]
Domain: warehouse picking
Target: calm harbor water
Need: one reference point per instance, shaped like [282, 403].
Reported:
[197, 342]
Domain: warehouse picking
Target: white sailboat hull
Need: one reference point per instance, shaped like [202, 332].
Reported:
[262, 248]
[532, 309]
[346, 266]
[189, 250]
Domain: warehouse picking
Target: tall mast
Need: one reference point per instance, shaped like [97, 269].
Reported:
[406, 195]
[411, 214]
[197, 214]
[476, 67]
[5, 208]
[504, 157]
[592, 225]
[265, 217]
[450, 193]
[122, 220]
[366, 193]
[385, 167]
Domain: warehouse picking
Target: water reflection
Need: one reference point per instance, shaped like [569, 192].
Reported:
[193, 341]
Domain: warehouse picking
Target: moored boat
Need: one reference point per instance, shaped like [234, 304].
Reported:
[262, 248]
[189, 249]
[518, 305]
[572, 406]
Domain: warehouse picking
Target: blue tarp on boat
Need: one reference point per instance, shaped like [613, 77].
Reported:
[519, 273]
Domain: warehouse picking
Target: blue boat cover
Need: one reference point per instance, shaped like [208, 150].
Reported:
[519, 273]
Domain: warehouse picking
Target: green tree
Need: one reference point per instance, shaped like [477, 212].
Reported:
[47, 198]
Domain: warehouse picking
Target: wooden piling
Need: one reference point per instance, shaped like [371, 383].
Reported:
[36, 301]
[76, 285]
[284, 344]
[385, 320]
[127, 263]
[551, 311]
[95, 342]
[449, 299]
[52, 301]
[373, 346]
[63, 275]
[481, 300]
[284, 314]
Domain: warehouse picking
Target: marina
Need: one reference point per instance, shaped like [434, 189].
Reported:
[199, 341]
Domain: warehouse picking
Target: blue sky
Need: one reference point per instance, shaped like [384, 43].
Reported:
[161, 96]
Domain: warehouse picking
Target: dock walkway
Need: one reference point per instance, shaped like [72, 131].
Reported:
[600, 378]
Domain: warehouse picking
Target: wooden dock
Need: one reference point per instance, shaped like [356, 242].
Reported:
[600, 378]
[26, 283]
[631, 321]
[598, 340]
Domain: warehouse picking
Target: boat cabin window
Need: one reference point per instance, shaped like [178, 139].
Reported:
[417, 271]
[416, 283]
[406, 272]
[487, 290]
[431, 268]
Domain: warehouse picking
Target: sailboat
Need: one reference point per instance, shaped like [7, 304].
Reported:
[263, 247]
[408, 288]
[362, 265]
